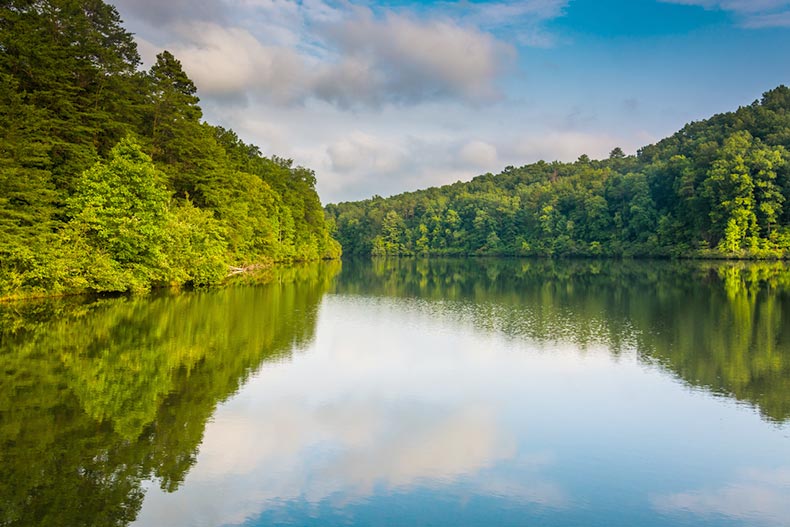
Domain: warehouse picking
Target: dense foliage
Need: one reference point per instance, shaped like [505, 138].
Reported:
[109, 179]
[715, 188]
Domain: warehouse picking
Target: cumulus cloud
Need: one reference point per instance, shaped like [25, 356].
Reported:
[479, 155]
[362, 164]
[229, 61]
[291, 52]
[753, 14]
[405, 59]
[360, 152]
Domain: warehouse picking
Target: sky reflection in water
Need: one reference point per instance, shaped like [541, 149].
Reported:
[405, 410]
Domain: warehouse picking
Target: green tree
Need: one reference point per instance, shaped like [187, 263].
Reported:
[195, 246]
[120, 208]
[27, 198]
[394, 233]
[186, 149]
[76, 64]
[617, 153]
[765, 162]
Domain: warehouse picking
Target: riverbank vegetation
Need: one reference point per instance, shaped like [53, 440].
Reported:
[717, 188]
[110, 181]
[100, 397]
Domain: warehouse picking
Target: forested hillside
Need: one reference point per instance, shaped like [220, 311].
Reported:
[716, 188]
[109, 178]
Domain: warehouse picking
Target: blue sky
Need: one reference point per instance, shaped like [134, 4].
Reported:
[384, 97]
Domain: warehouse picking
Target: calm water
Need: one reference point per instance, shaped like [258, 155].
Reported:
[444, 393]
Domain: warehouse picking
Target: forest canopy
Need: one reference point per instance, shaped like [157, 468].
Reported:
[717, 188]
[109, 178]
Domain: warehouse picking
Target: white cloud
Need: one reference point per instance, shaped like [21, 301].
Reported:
[147, 50]
[294, 52]
[523, 19]
[767, 20]
[740, 6]
[493, 14]
[403, 59]
[230, 61]
[360, 152]
[385, 163]
[755, 14]
[479, 154]
[564, 146]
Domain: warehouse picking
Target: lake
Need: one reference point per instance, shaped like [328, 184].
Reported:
[411, 392]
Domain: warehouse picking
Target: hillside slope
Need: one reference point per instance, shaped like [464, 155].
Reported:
[109, 178]
[716, 188]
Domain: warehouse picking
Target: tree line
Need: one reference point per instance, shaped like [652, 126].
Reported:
[716, 188]
[109, 178]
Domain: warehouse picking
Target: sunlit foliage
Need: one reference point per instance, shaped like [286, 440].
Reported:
[110, 181]
[717, 188]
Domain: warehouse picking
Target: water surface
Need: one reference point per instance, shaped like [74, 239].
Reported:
[408, 392]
